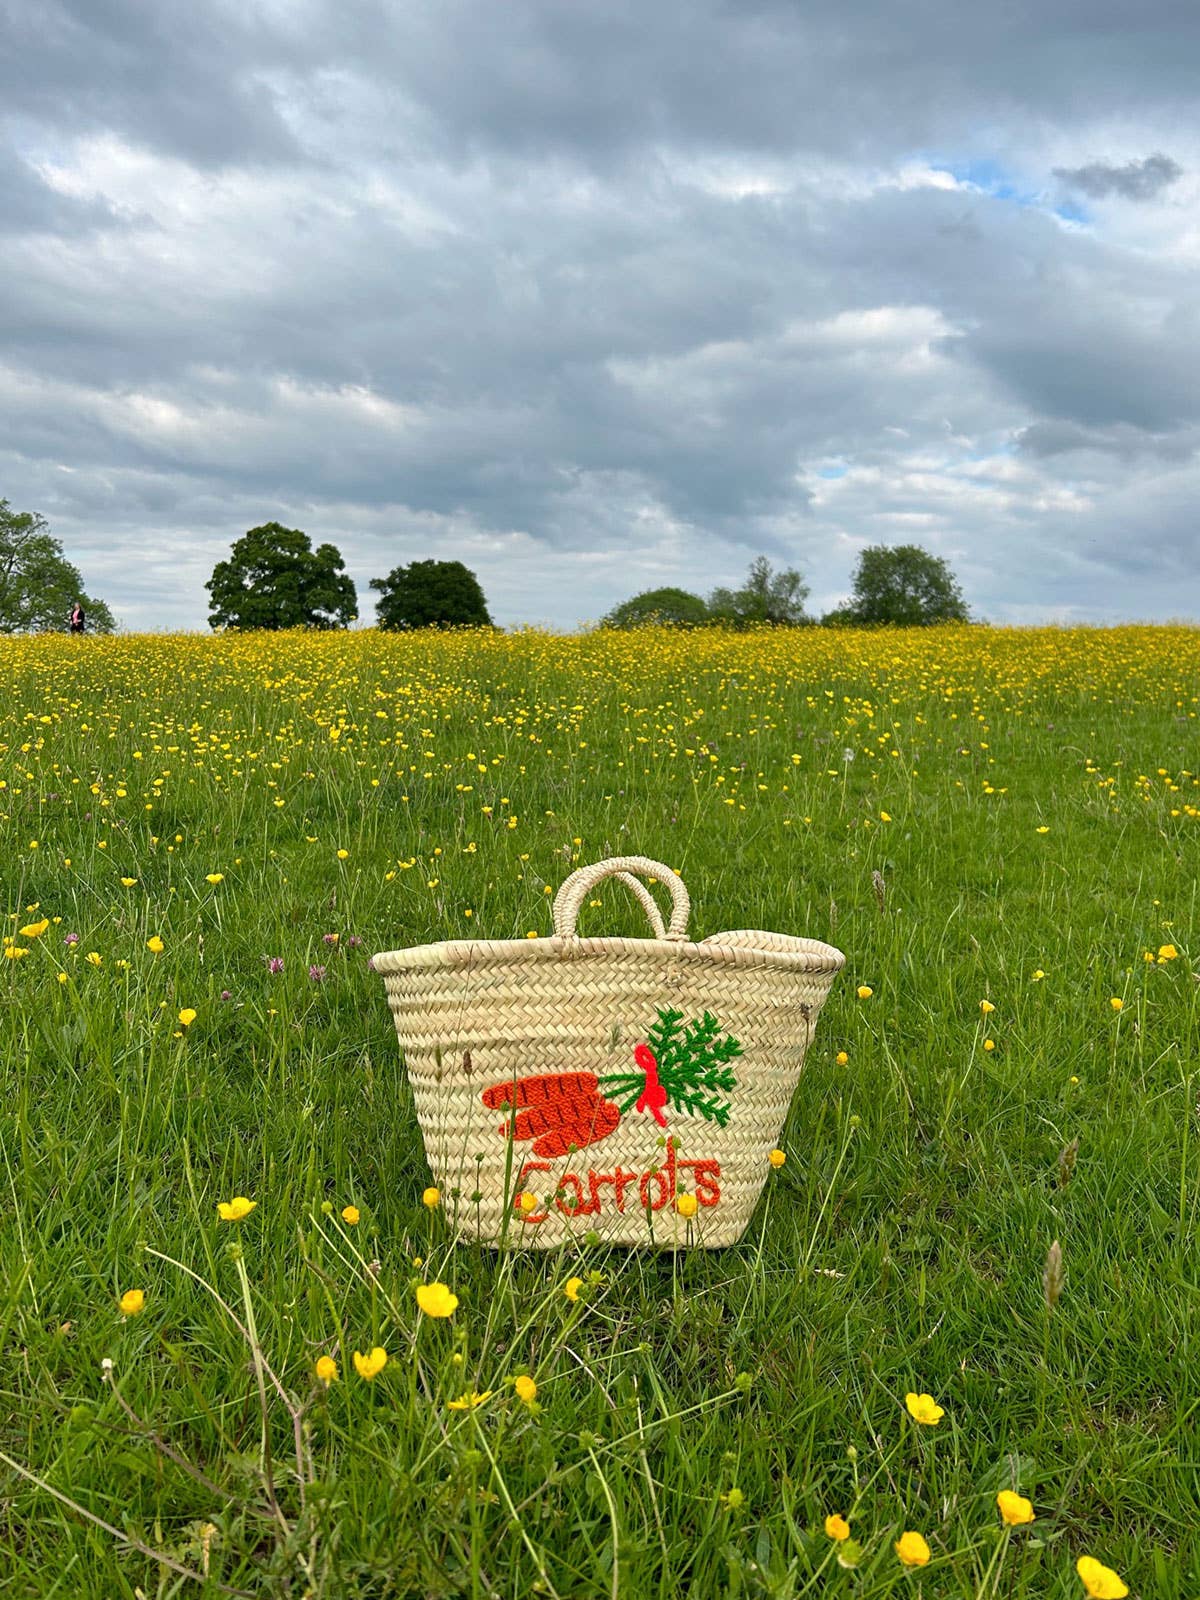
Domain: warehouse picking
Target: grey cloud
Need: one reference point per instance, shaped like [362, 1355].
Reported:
[489, 282]
[1136, 180]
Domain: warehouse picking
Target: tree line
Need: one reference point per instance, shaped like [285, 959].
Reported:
[899, 586]
[273, 578]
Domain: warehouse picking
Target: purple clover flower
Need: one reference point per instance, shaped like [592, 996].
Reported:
[273, 963]
[317, 974]
[71, 940]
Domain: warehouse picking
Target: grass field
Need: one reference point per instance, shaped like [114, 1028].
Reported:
[1030, 802]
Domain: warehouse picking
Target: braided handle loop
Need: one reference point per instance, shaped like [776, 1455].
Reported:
[575, 889]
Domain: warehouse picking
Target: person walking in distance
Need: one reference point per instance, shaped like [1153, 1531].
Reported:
[78, 619]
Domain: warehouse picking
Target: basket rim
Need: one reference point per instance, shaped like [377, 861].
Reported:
[805, 955]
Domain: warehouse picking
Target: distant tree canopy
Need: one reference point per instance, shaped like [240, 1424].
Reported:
[667, 607]
[766, 596]
[275, 579]
[38, 585]
[901, 585]
[431, 594]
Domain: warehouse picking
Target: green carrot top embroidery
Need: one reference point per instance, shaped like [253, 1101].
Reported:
[685, 1065]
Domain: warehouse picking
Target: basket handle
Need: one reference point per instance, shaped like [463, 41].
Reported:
[575, 889]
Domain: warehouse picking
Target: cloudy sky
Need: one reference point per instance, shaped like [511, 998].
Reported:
[599, 295]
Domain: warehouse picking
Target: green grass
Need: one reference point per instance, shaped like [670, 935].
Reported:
[698, 1415]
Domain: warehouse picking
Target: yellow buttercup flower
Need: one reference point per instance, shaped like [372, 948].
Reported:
[236, 1209]
[343, 855]
[1116, 1003]
[34, 930]
[1167, 952]
[986, 1007]
[686, 1204]
[1014, 1508]
[128, 882]
[436, 1300]
[912, 1549]
[865, 991]
[327, 1370]
[842, 1058]
[1101, 1582]
[350, 1214]
[989, 1045]
[95, 958]
[526, 1389]
[527, 1202]
[371, 1365]
[186, 1017]
[131, 1302]
[432, 1198]
[214, 877]
[155, 944]
[469, 1400]
[572, 1287]
[924, 1408]
[777, 1158]
[837, 1527]
[15, 952]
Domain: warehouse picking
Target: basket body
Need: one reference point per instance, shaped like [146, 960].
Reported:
[605, 1079]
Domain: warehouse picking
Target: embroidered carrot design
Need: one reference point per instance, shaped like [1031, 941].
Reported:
[686, 1067]
[559, 1111]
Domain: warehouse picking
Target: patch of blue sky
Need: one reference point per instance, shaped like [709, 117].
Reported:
[838, 471]
[990, 178]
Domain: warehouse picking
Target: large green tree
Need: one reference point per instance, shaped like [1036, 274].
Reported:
[766, 596]
[431, 594]
[275, 579]
[902, 586]
[667, 607]
[38, 585]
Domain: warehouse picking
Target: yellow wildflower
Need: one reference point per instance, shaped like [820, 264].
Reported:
[1101, 1582]
[15, 952]
[924, 1408]
[842, 1058]
[837, 1527]
[1166, 952]
[777, 1158]
[350, 1214]
[986, 1007]
[865, 991]
[469, 1399]
[436, 1300]
[527, 1202]
[526, 1389]
[327, 1370]
[128, 882]
[131, 1302]
[1014, 1508]
[989, 1045]
[572, 1287]
[912, 1549]
[236, 1209]
[186, 1017]
[432, 1198]
[34, 930]
[214, 877]
[370, 1366]
[95, 958]
[686, 1204]
[343, 855]
[1117, 1003]
[155, 944]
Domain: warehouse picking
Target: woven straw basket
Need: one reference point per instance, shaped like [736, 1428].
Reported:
[631, 1088]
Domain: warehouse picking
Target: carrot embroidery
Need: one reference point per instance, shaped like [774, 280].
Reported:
[684, 1065]
[559, 1111]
